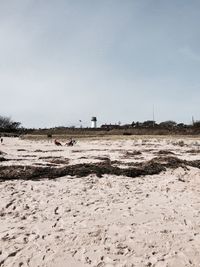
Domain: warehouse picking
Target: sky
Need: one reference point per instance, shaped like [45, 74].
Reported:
[68, 60]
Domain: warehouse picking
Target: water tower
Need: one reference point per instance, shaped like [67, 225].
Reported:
[94, 122]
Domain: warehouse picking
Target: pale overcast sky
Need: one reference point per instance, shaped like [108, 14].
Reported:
[68, 60]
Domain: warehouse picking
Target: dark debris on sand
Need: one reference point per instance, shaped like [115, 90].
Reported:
[165, 152]
[194, 151]
[132, 153]
[3, 159]
[154, 166]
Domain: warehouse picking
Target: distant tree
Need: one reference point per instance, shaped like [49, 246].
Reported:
[181, 125]
[148, 124]
[168, 124]
[137, 124]
[8, 125]
[133, 124]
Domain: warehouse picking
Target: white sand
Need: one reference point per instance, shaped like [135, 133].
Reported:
[109, 221]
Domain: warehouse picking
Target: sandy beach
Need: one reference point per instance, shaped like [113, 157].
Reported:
[140, 208]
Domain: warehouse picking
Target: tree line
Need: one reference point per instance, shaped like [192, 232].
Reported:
[7, 125]
[170, 124]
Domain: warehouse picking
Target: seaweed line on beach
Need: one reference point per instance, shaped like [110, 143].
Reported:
[151, 167]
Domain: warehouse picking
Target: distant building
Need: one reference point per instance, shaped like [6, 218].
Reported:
[94, 122]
